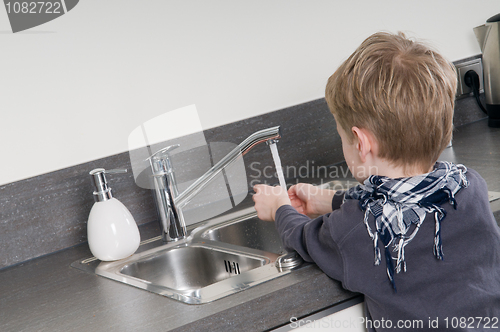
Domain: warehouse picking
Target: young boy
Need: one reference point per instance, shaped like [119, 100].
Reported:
[417, 238]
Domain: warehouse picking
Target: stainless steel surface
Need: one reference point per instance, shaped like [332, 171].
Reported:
[288, 261]
[172, 221]
[170, 202]
[191, 267]
[488, 36]
[272, 141]
[245, 146]
[102, 190]
[207, 265]
[247, 231]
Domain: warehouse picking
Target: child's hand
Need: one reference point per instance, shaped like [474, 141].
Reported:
[299, 198]
[310, 200]
[268, 199]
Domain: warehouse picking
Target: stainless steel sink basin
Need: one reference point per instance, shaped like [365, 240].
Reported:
[220, 257]
[191, 267]
[248, 231]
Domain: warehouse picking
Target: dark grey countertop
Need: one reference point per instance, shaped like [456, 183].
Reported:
[46, 294]
[477, 146]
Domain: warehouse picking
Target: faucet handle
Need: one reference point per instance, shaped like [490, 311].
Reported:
[163, 152]
[160, 162]
[115, 171]
[108, 171]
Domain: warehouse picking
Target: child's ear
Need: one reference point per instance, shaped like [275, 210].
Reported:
[365, 143]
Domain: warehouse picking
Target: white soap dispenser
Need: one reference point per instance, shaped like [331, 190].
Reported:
[111, 229]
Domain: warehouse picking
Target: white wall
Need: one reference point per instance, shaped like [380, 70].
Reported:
[72, 90]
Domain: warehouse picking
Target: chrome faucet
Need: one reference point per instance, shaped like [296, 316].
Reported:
[170, 202]
[171, 218]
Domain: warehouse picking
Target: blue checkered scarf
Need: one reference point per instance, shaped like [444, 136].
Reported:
[397, 204]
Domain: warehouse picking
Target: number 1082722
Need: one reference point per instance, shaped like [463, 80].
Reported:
[38, 7]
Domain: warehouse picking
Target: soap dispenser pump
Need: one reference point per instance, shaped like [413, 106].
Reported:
[111, 229]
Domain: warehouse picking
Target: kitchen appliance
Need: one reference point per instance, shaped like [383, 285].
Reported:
[488, 36]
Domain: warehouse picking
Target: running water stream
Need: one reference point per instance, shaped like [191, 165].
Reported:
[277, 163]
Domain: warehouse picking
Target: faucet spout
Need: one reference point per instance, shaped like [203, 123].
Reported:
[256, 138]
[170, 202]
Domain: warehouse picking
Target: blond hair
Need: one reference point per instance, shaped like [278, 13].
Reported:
[400, 90]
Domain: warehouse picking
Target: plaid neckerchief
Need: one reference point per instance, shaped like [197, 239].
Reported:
[396, 204]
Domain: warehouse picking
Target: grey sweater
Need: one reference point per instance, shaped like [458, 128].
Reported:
[461, 292]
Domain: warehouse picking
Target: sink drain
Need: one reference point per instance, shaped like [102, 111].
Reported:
[289, 261]
[232, 267]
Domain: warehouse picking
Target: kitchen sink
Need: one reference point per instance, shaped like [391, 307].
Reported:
[220, 257]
